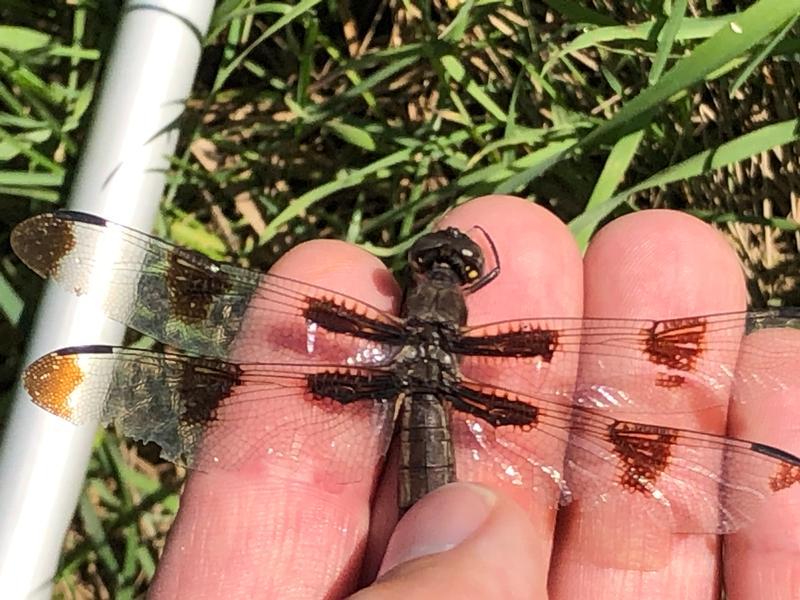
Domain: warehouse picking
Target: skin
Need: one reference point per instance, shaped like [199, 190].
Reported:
[261, 533]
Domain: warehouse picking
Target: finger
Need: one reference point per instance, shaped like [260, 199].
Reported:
[540, 275]
[652, 264]
[462, 541]
[277, 528]
[762, 561]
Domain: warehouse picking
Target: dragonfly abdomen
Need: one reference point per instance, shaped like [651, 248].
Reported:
[427, 460]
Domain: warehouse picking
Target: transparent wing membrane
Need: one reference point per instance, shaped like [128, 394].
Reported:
[622, 413]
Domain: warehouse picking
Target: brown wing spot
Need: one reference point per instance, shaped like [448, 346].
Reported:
[645, 452]
[333, 315]
[351, 385]
[675, 344]
[786, 475]
[204, 384]
[42, 242]
[497, 409]
[669, 380]
[51, 380]
[192, 289]
[336, 316]
[521, 343]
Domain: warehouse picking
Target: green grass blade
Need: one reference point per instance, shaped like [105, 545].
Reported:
[293, 12]
[456, 70]
[690, 29]
[537, 163]
[351, 134]
[97, 534]
[732, 217]
[11, 305]
[617, 163]
[666, 39]
[578, 13]
[745, 31]
[761, 56]
[22, 39]
[743, 147]
[25, 178]
[301, 204]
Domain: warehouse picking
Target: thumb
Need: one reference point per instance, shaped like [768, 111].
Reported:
[462, 541]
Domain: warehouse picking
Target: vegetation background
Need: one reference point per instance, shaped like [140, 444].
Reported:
[364, 121]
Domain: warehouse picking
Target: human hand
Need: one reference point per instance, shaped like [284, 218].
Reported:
[245, 534]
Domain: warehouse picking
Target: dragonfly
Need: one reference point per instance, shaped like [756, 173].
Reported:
[260, 367]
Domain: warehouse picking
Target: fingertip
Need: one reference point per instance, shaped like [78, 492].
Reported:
[541, 265]
[500, 211]
[341, 266]
[444, 519]
[661, 262]
[651, 265]
[515, 223]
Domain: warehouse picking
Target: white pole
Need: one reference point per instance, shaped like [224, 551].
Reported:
[121, 177]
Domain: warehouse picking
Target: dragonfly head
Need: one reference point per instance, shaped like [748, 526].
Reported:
[447, 253]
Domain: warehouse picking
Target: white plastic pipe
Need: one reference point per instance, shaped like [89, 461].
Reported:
[121, 177]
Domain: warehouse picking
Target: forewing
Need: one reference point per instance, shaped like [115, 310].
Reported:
[191, 302]
[645, 367]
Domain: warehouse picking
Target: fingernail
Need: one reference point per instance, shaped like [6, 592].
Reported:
[438, 522]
